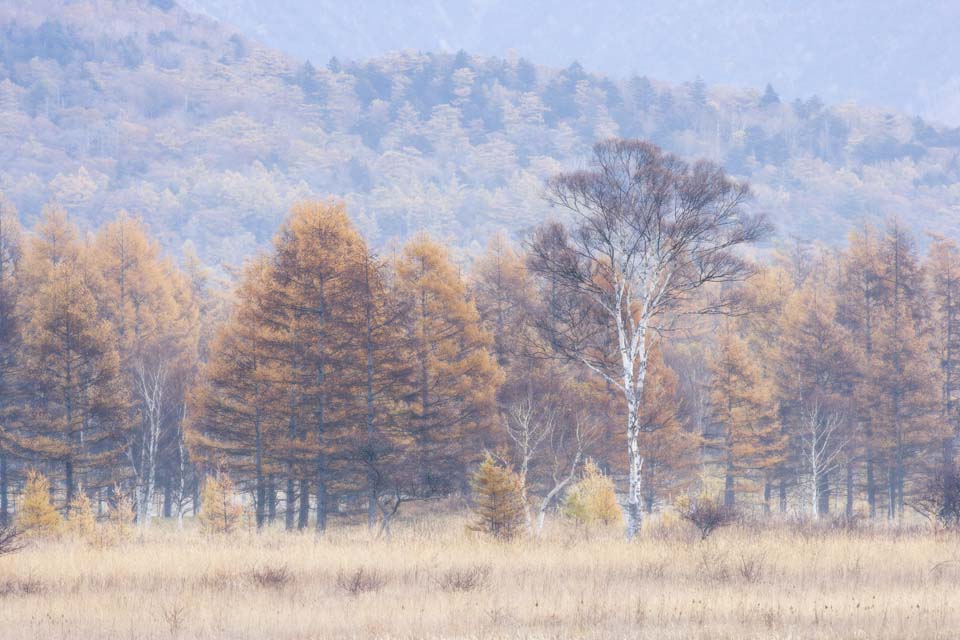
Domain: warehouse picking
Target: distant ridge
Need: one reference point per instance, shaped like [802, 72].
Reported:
[211, 136]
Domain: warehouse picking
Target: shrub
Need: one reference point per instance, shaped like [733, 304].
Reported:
[360, 581]
[466, 579]
[121, 516]
[940, 500]
[10, 539]
[37, 516]
[498, 501]
[80, 520]
[705, 512]
[271, 577]
[593, 500]
[220, 512]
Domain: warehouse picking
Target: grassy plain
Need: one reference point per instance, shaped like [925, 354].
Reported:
[436, 580]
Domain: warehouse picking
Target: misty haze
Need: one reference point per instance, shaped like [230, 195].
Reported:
[479, 319]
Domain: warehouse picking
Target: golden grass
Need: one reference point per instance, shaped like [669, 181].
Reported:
[434, 580]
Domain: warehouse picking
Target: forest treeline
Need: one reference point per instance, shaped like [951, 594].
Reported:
[339, 378]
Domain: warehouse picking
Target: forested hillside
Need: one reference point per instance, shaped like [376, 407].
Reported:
[141, 106]
[875, 53]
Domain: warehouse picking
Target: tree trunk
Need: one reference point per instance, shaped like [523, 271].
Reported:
[304, 518]
[372, 499]
[871, 489]
[4, 488]
[181, 467]
[258, 469]
[891, 493]
[167, 498]
[850, 488]
[321, 505]
[68, 481]
[823, 494]
[271, 499]
[291, 500]
[729, 487]
[634, 517]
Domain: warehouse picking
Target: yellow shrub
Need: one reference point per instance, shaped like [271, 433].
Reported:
[593, 500]
[121, 517]
[498, 501]
[37, 516]
[220, 512]
[80, 520]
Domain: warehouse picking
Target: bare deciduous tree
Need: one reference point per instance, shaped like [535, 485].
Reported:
[554, 443]
[645, 232]
[824, 441]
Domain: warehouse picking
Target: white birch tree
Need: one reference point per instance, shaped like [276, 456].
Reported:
[643, 232]
[823, 439]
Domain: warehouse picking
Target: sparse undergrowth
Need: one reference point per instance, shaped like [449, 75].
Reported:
[435, 579]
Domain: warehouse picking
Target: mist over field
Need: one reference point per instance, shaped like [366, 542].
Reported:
[479, 319]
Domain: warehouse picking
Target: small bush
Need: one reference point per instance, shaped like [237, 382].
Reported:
[593, 500]
[220, 512]
[751, 568]
[11, 539]
[271, 577]
[705, 512]
[940, 500]
[37, 516]
[27, 586]
[81, 522]
[360, 581]
[498, 501]
[121, 517]
[466, 579]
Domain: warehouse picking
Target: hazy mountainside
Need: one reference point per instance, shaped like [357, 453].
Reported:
[885, 53]
[140, 105]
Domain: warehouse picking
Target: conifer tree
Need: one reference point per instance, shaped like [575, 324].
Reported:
[742, 405]
[498, 503]
[943, 269]
[861, 291]
[155, 322]
[456, 378]
[37, 515]
[906, 400]
[238, 411]
[383, 447]
[220, 512]
[319, 257]
[817, 370]
[81, 522]
[76, 405]
[671, 453]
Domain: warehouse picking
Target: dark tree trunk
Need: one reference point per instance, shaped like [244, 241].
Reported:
[304, 519]
[4, 487]
[68, 481]
[291, 500]
[850, 489]
[729, 494]
[321, 507]
[167, 498]
[271, 499]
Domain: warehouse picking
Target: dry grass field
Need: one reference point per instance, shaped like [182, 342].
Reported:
[435, 580]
